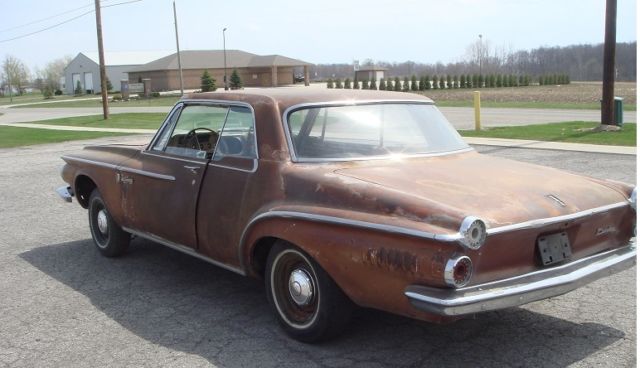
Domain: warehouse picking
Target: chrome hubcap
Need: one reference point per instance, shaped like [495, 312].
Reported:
[300, 287]
[103, 225]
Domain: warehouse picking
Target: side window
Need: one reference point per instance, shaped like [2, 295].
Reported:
[238, 135]
[197, 131]
[162, 140]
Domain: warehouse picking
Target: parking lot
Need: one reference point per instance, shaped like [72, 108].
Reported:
[63, 305]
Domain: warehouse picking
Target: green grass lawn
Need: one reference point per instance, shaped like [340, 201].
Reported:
[530, 105]
[30, 97]
[156, 101]
[561, 132]
[15, 137]
[145, 120]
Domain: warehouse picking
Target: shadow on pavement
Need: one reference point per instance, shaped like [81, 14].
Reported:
[184, 304]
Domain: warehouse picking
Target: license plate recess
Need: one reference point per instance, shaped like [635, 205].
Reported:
[554, 248]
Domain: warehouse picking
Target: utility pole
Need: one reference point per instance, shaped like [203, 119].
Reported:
[103, 72]
[175, 22]
[608, 73]
[224, 48]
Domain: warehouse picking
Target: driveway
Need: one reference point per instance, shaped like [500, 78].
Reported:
[63, 305]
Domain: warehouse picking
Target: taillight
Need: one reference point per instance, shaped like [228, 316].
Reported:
[458, 271]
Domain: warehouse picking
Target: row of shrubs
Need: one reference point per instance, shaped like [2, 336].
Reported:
[447, 82]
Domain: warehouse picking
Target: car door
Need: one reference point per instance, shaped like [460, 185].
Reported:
[161, 185]
[222, 211]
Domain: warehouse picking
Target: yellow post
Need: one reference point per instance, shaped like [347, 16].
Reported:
[476, 106]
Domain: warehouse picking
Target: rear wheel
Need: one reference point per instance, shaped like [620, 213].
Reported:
[108, 236]
[309, 305]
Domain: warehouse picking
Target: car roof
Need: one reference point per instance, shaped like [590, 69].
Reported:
[286, 97]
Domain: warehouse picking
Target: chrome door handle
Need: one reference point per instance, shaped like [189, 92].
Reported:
[193, 169]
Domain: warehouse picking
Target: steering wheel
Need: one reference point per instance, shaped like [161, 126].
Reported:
[192, 133]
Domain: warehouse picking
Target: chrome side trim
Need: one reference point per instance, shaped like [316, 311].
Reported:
[148, 174]
[450, 237]
[150, 153]
[522, 289]
[183, 249]
[551, 220]
[92, 162]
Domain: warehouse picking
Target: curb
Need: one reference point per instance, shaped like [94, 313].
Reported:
[558, 146]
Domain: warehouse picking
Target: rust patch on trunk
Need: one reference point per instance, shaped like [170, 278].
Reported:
[392, 259]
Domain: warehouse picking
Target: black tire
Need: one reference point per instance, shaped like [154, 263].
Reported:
[111, 240]
[317, 318]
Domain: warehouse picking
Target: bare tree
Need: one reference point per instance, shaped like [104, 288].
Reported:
[16, 74]
[53, 71]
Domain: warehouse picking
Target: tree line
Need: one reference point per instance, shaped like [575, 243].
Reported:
[426, 82]
[579, 62]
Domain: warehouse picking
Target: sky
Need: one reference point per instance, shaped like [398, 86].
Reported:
[327, 31]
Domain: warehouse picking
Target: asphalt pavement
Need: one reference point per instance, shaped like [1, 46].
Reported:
[64, 305]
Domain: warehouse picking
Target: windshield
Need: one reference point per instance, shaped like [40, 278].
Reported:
[371, 130]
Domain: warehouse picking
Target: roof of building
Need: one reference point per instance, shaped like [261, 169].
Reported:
[114, 58]
[371, 68]
[214, 59]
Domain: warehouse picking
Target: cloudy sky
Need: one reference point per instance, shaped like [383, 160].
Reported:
[323, 31]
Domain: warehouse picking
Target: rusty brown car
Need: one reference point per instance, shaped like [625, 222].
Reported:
[343, 198]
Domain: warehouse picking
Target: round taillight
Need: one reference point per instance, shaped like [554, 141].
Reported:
[458, 271]
[473, 232]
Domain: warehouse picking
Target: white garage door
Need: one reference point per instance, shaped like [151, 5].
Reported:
[75, 78]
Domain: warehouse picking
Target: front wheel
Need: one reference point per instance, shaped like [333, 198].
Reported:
[108, 236]
[309, 305]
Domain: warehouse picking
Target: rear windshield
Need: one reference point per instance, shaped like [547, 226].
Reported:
[371, 130]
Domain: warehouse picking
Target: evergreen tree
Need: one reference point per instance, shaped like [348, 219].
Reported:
[338, 83]
[397, 86]
[330, 83]
[481, 81]
[365, 83]
[469, 85]
[463, 81]
[474, 81]
[235, 81]
[383, 84]
[356, 84]
[347, 83]
[449, 86]
[373, 85]
[441, 84]
[434, 83]
[427, 82]
[405, 84]
[414, 83]
[109, 85]
[390, 85]
[78, 90]
[207, 83]
[521, 80]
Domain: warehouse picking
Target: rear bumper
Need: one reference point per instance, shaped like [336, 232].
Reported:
[65, 193]
[522, 289]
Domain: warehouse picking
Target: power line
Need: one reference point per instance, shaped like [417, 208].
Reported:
[43, 19]
[66, 21]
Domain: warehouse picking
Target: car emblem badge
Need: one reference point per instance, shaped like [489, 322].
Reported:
[556, 199]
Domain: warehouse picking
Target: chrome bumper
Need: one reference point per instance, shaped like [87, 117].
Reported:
[522, 289]
[65, 193]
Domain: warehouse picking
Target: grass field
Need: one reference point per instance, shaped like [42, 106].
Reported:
[572, 131]
[31, 97]
[126, 121]
[577, 95]
[15, 137]
[156, 101]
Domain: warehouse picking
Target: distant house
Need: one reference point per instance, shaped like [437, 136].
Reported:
[254, 70]
[370, 73]
[85, 68]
